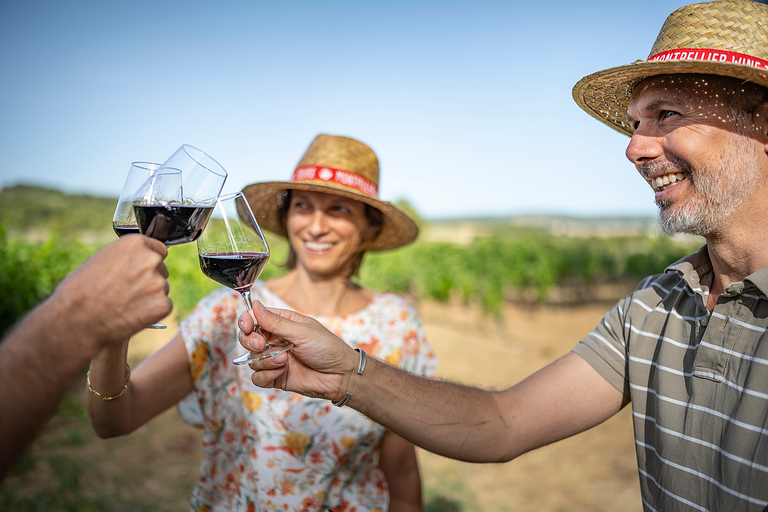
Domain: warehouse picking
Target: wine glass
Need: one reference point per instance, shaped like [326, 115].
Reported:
[233, 252]
[204, 177]
[161, 214]
[124, 219]
[178, 220]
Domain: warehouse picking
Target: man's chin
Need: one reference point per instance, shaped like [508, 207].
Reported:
[672, 223]
[669, 230]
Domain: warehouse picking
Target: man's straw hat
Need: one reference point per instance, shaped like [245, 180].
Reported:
[727, 37]
[334, 165]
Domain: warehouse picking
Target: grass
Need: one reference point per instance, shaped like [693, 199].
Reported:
[449, 492]
[63, 472]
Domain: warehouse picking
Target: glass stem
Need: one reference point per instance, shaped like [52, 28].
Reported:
[249, 307]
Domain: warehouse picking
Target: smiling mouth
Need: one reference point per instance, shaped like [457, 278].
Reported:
[666, 181]
[317, 246]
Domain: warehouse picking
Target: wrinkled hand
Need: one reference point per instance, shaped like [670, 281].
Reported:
[318, 366]
[120, 290]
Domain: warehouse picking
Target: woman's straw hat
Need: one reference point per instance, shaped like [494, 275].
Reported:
[727, 37]
[334, 165]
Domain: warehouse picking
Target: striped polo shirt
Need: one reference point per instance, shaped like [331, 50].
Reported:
[698, 385]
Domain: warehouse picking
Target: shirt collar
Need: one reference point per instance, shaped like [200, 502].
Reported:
[695, 266]
[760, 279]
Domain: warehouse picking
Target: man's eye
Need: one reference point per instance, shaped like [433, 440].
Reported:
[665, 114]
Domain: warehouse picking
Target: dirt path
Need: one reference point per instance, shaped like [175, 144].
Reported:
[594, 471]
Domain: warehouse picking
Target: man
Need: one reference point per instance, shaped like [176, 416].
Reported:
[688, 349]
[120, 290]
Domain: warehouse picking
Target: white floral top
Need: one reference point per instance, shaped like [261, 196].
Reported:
[273, 450]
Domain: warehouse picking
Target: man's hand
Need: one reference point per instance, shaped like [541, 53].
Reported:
[318, 366]
[120, 290]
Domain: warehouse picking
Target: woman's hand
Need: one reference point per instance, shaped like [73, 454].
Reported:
[319, 365]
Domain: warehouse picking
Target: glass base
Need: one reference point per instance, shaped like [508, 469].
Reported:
[269, 351]
[157, 326]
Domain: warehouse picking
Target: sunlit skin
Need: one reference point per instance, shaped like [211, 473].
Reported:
[717, 179]
[326, 231]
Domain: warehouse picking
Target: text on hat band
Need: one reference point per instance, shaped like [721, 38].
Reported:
[340, 176]
[710, 55]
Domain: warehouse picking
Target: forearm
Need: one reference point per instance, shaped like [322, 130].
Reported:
[466, 423]
[108, 376]
[159, 382]
[562, 399]
[455, 421]
[397, 458]
[36, 365]
[94, 306]
[399, 503]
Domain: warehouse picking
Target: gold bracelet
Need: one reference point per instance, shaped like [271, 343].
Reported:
[108, 398]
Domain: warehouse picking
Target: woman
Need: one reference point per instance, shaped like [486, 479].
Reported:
[269, 449]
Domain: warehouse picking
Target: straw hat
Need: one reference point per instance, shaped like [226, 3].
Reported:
[727, 37]
[334, 165]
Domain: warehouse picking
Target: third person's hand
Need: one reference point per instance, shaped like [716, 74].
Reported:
[318, 366]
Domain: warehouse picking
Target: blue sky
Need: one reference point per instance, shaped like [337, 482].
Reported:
[467, 104]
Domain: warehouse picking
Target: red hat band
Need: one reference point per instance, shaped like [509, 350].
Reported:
[338, 176]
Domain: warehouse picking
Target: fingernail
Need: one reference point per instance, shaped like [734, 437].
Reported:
[240, 324]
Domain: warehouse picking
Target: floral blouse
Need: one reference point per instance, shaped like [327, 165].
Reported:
[270, 450]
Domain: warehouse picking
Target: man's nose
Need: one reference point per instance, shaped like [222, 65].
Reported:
[643, 146]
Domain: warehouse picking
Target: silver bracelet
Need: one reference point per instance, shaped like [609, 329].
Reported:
[360, 368]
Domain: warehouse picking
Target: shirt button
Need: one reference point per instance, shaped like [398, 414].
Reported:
[705, 321]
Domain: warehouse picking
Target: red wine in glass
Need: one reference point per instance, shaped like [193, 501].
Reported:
[236, 270]
[233, 252]
[125, 229]
[172, 224]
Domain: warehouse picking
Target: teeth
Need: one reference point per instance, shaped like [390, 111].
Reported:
[316, 246]
[663, 182]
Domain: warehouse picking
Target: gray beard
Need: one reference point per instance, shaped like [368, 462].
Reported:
[717, 190]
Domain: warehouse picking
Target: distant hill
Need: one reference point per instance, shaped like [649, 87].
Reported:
[464, 230]
[31, 209]
[574, 225]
